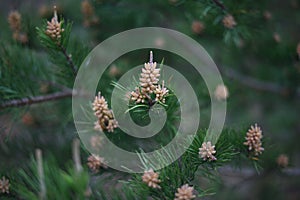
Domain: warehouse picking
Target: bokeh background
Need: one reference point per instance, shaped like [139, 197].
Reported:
[258, 59]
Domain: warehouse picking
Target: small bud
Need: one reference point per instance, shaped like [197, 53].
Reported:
[185, 192]
[253, 140]
[54, 28]
[95, 163]
[207, 151]
[283, 160]
[27, 119]
[151, 178]
[114, 71]
[4, 185]
[197, 27]
[14, 20]
[277, 37]
[229, 21]
[221, 92]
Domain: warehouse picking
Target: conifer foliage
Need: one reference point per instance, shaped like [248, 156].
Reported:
[40, 57]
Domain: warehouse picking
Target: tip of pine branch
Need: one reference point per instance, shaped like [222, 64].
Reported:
[55, 12]
[151, 57]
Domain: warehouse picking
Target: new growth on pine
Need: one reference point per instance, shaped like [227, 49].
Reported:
[150, 91]
[36, 90]
[106, 120]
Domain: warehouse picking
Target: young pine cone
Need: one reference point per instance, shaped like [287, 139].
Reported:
[137, 96]
[229, 22]
[197, 27]
[87, 9]
[185, 192]
[283, 160]
[14, 20]
[109, 125]
[161, 92]
[207, 151]
[106, 120]
[95, 163]
[253, 140]
[100, 106]
[149, 76]
[149, 88]
[221, 92]
[54, 29]
[151, 178]
[4, 185]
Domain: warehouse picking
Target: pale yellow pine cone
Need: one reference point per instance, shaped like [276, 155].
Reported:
[54, 28]
[229, 21]
[87, 9]
[161, 92]
[106, 120]
[197, 27]
[137, 96]
[221, 92]
[4, 185]
[283, 160]
[151, 178]
[207, 151]
[95, 162]
[185, 192]
[100, 106]
[253, 140]
[14, 20]
[149, 78]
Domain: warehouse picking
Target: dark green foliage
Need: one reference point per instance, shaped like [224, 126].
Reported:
[249, 48]
[24, 71]
[60, 183]
[183, 171]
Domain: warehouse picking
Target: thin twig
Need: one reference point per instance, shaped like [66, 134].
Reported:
[257, 84]
[39, 159]
[69, 59]
[219, 4]
[36, 99]
[76, 155]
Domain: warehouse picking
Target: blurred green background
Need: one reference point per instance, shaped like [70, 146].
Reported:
[258, 60]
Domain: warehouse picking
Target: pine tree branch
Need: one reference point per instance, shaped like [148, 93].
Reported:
[219, 4]
[257, 84]
[37, 99]
[69, 59]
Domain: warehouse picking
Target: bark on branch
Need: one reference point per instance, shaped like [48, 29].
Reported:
[219, 4]
[69, 59]
[36, 99]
